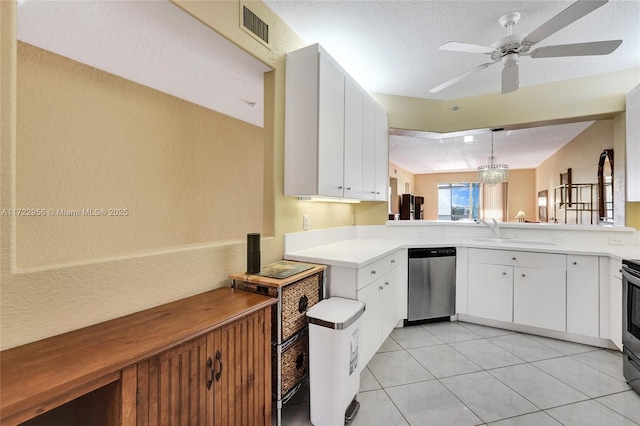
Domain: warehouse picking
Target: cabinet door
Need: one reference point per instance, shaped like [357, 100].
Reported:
[390, 294]
[241, 371]
[490, 291]
[330, 128]
[583, 295]
[540, 298]
[382, 155]
[352, 140]
[371, 320]
[368, 149]
[172, 386]
[615, 302]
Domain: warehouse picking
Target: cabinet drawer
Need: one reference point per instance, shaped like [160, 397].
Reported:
[518, 258]
[293, 357]
[369, 273]
[390, 262]
[297, 298]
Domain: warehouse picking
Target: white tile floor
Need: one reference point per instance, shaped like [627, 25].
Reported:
[455, 373]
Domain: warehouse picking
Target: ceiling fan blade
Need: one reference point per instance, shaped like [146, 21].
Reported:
[578, 49]
[571, 14]
[510, 79]
[466, 47]
[460, 77]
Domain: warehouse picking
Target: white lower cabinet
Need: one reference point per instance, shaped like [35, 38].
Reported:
[381, 315]
[371, 338]
[547, 290]
[540, 298]
[490, 291]
[615, 303]
[583, 295]
[381, 285]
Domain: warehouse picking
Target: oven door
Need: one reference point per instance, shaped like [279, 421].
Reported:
[631, 326]
[631, 310]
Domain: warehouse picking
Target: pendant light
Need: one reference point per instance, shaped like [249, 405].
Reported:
[493, 173]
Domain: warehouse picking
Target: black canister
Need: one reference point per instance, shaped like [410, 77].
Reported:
[253, 253]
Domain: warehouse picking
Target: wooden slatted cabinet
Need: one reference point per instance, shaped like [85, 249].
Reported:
[213, 379]
[201, 360]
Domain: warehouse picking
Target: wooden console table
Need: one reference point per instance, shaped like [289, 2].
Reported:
[203, 359]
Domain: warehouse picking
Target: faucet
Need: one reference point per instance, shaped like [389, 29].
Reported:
[495, 228]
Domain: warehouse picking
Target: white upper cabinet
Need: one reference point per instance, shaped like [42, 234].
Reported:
[352, 139]
[382, 156]
[633, 144]
[330, 144]
[336, 136]
[368, 149]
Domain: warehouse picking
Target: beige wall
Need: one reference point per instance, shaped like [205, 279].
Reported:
[48, 301]
[521, 191]
[580, 155]
[128, 273]
[166, 172]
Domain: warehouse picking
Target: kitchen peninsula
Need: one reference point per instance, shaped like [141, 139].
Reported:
[357, 256]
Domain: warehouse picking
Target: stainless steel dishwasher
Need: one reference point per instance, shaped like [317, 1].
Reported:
[432, 284]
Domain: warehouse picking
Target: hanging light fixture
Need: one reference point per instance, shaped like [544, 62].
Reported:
[493, 173]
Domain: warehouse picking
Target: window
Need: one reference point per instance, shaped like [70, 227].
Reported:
[458, 201]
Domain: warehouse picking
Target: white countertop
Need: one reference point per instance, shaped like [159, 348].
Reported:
[359, 252]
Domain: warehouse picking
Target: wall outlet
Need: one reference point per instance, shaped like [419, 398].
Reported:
[615, 240]
[305, 222]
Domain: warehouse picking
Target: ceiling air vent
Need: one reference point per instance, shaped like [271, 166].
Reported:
[252, 24]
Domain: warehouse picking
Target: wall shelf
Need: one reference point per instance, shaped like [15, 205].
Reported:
[575, 201]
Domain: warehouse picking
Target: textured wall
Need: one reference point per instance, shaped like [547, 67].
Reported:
[89, 283]
[166, 172]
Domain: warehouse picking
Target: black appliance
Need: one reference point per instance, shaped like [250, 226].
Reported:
[631, 322]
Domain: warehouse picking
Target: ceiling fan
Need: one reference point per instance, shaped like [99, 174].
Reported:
[509, 49]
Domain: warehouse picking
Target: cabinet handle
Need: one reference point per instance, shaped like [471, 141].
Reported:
[393, 261]
[513, 258]
[523, 275]
[303, 303]
[210, 367]
[219, 359]
[575, 263]
[504, 273]
[348, 188]
[377, 192]
[380, 288]
[386, 283]
[339, 187]
[373, 272]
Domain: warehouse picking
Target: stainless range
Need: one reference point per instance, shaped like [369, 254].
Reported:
[631, 322]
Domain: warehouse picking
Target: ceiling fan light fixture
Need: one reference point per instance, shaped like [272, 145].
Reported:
[510, 60]
[493, 173]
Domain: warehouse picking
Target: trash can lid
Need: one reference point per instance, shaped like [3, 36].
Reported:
[336, 312]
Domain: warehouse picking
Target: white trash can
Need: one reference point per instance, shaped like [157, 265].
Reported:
[335, 326]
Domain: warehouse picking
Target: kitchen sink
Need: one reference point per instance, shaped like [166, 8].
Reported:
[514, 241]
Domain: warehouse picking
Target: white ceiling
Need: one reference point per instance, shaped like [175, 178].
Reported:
[391, 47]
[427, 152]
[153, 43]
